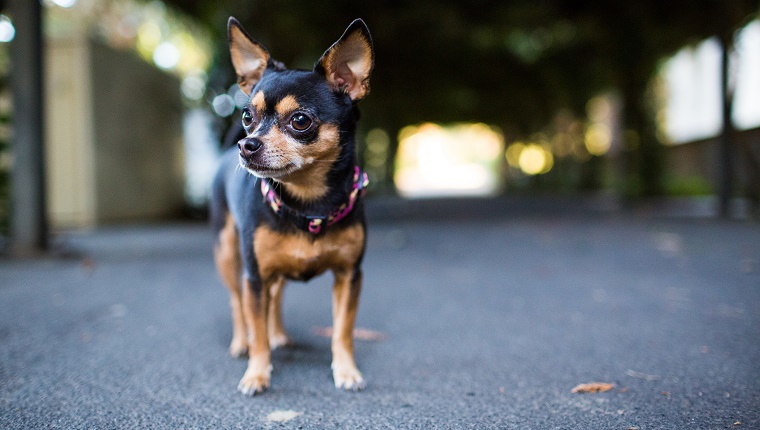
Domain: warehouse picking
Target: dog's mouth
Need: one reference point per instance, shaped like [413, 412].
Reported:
[263, 171]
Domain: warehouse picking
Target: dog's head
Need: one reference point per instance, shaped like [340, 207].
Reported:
[294, 119]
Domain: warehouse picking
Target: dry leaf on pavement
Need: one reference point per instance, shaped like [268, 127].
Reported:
[593, 387]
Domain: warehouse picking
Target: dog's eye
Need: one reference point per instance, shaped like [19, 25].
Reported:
[247, 118]
[300, 122]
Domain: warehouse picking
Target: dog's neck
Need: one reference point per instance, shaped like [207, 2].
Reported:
[314, 217]
[306, 185]
[319, 188]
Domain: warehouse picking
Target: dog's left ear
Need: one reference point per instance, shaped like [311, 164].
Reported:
[349, 61]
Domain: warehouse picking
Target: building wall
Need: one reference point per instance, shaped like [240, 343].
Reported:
[113, 136]
[701, 158]
[137, 120]
[69, 153]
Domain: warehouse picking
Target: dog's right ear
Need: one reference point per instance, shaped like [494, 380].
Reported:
[249, 58]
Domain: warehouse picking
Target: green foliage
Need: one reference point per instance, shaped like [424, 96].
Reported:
[4, 193]
[687, 186]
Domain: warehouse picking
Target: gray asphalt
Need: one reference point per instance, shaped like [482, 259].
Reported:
[486, 322]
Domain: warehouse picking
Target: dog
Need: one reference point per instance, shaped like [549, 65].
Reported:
[287, 201]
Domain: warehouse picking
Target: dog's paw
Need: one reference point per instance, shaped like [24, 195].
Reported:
[278, 340]
[348, 378]
[238, 348]
[255, 381]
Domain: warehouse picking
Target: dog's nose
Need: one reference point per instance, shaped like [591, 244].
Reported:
[248, 146]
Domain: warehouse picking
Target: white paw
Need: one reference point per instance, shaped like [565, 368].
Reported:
[348, 378]
[238, 348]
[278, 340]
[255, 381]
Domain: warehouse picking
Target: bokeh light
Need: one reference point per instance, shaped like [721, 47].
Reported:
[166, 55]
[513, 154]
[535, 159]
[224, 105]
[435, 160]
[532, 158]
[148, 38]
[194, 86]
[64, 3]
[237, 95]
[378, 143]
[7, 31]
[598, 139]
[169, 40]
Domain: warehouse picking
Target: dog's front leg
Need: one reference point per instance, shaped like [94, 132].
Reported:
[345, 301]
[277, 335]
[255, 309]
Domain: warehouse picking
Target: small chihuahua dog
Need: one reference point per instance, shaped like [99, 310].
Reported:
[287, 202]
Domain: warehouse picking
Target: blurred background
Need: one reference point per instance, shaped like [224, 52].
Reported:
[484, 98]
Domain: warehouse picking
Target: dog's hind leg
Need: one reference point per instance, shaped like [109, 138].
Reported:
[228, 263]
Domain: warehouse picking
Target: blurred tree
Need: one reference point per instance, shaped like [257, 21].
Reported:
[513, 64]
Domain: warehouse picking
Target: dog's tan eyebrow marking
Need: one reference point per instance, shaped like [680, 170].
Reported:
[258, 102]
[287, 105]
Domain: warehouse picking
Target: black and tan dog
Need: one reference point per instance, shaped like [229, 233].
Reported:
[287, 202]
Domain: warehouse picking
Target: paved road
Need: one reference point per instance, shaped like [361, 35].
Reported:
[488, 323]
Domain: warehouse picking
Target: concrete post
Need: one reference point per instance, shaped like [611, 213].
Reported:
[726, 180]
[28, 217]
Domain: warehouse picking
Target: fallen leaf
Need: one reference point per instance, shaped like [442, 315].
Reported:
[282, 416]
[359, 334]
[368, 335]
[593, 387]
[88, 264]
[322, 331]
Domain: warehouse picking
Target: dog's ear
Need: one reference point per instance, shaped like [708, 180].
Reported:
[249, 57]
[349, 61]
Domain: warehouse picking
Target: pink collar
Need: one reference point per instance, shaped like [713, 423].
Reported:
[313, 224]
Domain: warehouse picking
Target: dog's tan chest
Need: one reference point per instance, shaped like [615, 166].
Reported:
[298, 256]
